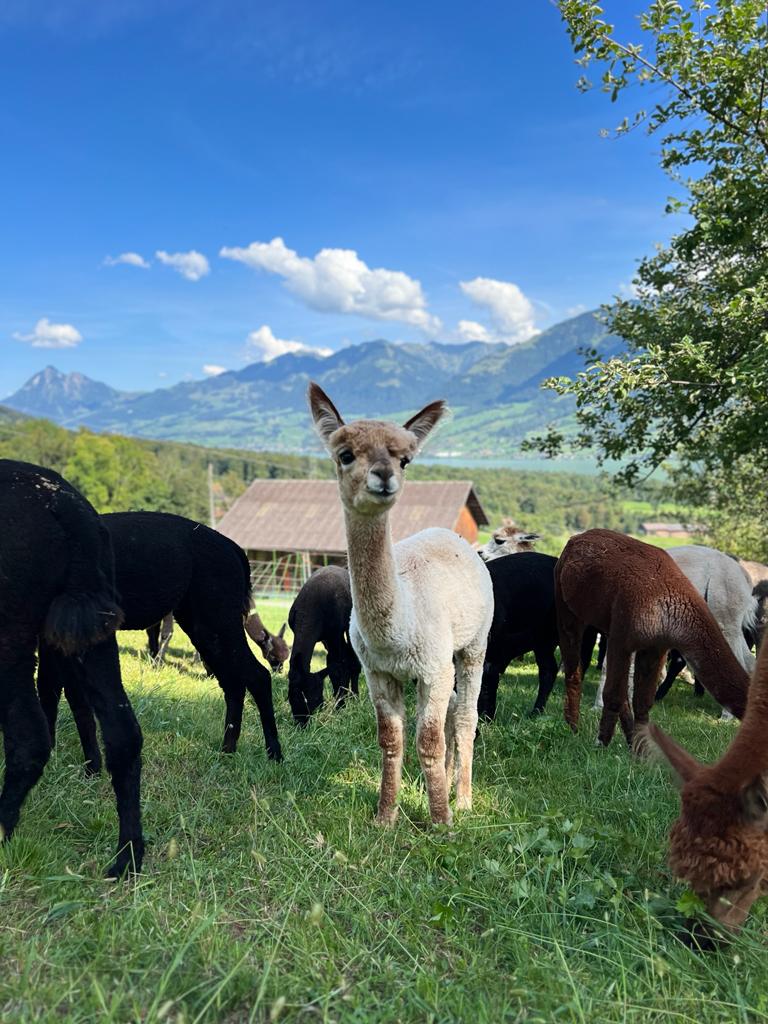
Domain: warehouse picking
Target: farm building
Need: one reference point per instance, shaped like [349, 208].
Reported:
[681, 531]
[291, 527]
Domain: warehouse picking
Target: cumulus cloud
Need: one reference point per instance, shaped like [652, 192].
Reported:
[131, 259]
[192, 265]
[471, 330]
[511, 313]
[268, 347]
[212, 370]
[338, 281]
[48, 335]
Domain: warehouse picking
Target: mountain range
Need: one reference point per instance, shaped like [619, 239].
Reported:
[494, 391]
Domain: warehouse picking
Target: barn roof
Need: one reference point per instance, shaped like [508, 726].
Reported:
[305, 515]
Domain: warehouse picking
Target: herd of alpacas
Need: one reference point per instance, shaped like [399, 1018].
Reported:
[426, 611]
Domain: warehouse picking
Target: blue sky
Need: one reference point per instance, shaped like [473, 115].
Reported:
[437, 155]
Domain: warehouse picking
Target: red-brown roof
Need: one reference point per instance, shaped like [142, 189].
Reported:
[305, 515]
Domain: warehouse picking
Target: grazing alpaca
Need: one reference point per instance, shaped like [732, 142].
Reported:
[725, 588]
[272, 645]
[509, 539]
[320, 615]
[719, 844]
[419, 607]
[166, 563]
[636, 594]
[56, 584]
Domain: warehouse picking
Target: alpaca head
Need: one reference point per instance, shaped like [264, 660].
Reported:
[719, 844]
[508, 540]
[370, 455]
[276, 650]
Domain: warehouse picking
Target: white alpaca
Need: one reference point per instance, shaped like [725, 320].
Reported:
[419, 607]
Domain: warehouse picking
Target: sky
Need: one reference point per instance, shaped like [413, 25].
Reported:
[187, 187]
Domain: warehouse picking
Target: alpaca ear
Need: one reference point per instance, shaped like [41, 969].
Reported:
[281, 634]
[324, 412]
[424, 421]
[754, 802]
[655, 741]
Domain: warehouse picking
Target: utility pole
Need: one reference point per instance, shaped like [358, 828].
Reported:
[211, 507]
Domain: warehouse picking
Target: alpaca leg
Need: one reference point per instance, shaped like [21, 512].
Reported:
[649, 665]
[122, 743]
[49, 685]
[450, 741]
[387, 697]
[432, 698]
[25, 731]
[166, 633]
[598, 705]
[675, 665]
[234, 700]
[547, 665]
[570, 631]
[153, 640]
[85, 723]
[469, 673]
[617, 664]
[489, 686]
[353, 669]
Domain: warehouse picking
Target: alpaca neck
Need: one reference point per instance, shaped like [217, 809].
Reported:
[375, 587]
[715, 665]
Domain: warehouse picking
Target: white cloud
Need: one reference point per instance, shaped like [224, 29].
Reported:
[211, 370]
[471, 330]
[48, 335]
[131, 259]
[338, 281]
[268, 347]
[576, 310]
[628, 290]
[510, 311]
[192, 265]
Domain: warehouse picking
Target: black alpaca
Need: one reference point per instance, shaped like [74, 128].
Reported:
[320, 615]
[166, 563]
[57, 585]
[523, 620]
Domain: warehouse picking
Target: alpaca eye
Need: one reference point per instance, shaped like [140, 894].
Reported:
[346, 458]
[404, 462]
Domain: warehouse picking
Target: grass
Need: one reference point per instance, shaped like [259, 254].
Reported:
[270, 894]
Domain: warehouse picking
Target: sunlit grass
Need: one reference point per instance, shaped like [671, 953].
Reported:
[268, 891]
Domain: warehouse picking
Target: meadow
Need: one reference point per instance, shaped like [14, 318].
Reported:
[269, 894]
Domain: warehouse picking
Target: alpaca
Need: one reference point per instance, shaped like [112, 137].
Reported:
[166, 563]
[508, 539]
[272, 645]
[320, 614]
[725, 588]
[636, 594]
[419, 607]
[524, 620]
[719, 844]
[57, 584]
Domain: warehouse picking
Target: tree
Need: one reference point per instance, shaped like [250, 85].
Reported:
[691, 391]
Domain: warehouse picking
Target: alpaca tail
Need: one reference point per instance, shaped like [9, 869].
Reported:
[752, 622]
[87, 612]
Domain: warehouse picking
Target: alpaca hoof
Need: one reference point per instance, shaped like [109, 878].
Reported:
[92, 769]
[128, 861]
[463, 803]
[386, 819]
[535, 712]
[445, 819]
[275, 753]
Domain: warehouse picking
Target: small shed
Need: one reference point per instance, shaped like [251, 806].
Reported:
[681, 531]
[291, 527]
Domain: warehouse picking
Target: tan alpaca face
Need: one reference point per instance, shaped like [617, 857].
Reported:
[370, 455]
[371, 458]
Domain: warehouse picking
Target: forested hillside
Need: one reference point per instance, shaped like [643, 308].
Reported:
[117, 473]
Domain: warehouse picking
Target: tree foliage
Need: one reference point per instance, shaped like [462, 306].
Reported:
[691, 390]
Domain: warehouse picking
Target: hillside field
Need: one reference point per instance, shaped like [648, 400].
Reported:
[269, 894]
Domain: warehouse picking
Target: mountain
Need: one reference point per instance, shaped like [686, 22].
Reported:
[494, 390]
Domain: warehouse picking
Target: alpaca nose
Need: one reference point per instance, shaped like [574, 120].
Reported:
[381, 478]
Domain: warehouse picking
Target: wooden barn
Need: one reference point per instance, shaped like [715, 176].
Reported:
[291, 527]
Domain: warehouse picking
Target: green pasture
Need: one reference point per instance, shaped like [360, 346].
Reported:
[269, 894]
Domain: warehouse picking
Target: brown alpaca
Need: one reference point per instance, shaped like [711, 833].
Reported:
[636, 595]
[272, 645]
[719, 844]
